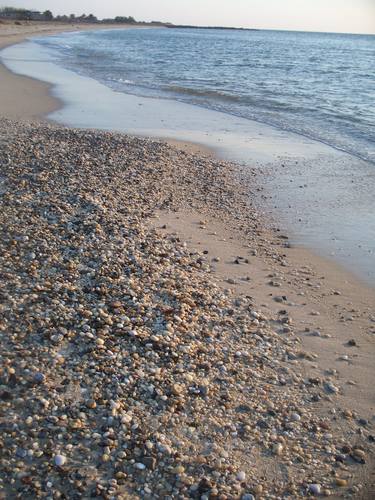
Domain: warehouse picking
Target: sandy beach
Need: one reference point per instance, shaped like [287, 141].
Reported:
[159, 338]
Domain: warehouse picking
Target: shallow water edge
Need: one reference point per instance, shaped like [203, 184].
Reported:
[321, 196]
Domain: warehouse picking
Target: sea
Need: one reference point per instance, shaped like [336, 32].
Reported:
[321, 85]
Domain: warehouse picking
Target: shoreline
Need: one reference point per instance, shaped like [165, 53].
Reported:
[302, 168]
[336, 306]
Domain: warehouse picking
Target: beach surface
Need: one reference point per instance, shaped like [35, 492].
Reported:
[159, 337]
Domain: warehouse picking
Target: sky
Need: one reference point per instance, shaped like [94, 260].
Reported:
[347, 16]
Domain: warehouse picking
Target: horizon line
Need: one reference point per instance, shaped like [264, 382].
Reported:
[266, 29]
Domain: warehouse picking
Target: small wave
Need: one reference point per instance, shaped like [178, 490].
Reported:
[202, 93]
[124, 80]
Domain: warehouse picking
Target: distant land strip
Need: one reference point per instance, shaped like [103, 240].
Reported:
[18, 14]
[184, 26]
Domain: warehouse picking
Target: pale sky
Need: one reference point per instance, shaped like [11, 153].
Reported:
[350, 16]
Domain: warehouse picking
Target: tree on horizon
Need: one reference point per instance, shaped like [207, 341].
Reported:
[48, 15]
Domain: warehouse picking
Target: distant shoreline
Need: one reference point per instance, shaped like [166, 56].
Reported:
[183, 26]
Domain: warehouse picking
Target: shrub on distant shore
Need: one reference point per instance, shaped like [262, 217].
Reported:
[13, 13]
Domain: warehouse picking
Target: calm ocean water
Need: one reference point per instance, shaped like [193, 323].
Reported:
[318, 85]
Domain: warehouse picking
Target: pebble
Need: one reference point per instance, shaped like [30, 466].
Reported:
[241, 476]
[358, 453]
[59, 460]
[139, 466]
[363, 421]
[295, 417]
[39, 377]
[21, 453]
[341, 482]
[177, 389]
[331, 388]
[315, 489]
[344, 357]
[280, 298]
[258, 489]
[278, 449]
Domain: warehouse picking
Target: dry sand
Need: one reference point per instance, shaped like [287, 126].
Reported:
[308, 301]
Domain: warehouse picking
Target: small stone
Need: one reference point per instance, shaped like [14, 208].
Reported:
[21, 453]
[258, 489]
[60, 460]
[139, 466]
[39, 377]
[277, 448]
[363, 422]
[315, 489]
[149, 462]
[279, 298]
[56, 339]
[351, 343]
[329, 387]
[241, 476]
[341, 482]
[360, 454]
[247, 496]
[295, 417]
[116, 304]
[274, 283]
[316, 333]
[179, 469]
[177, 389]
[344, 357]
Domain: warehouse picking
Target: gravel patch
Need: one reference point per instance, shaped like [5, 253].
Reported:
[126, 372]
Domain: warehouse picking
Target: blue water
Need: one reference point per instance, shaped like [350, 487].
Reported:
[318, 85]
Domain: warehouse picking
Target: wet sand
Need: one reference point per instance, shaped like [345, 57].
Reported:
[284, 338]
